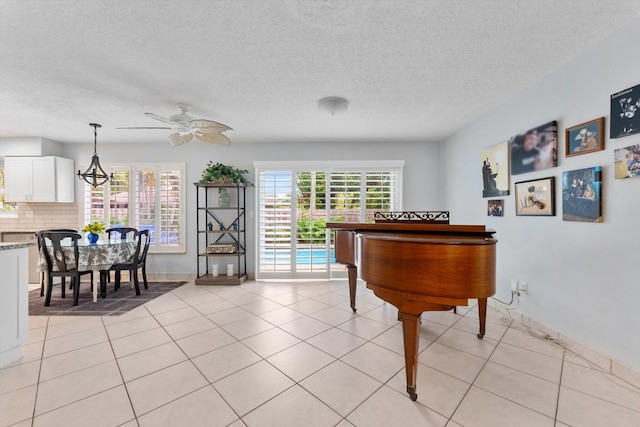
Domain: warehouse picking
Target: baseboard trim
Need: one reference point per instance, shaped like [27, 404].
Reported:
[602, 361]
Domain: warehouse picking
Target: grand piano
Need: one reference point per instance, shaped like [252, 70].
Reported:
[419, 266]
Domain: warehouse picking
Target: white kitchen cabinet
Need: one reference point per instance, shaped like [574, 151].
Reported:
[14, 308]
[39, 179]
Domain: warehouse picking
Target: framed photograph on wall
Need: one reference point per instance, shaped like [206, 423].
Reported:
[495, 170]
[585, 138]
[536, 197]
[582, 195]
[626, 162]
[495, 207]
[625, 113]
[535, 149]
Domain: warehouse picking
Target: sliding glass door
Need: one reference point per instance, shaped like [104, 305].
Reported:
[296, 201]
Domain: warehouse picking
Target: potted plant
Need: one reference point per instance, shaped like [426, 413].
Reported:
[219, 173]
[94, 230]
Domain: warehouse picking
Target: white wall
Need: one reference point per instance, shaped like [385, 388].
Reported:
[20, 146]
[29, 146]
[583, 277]
[421, 175]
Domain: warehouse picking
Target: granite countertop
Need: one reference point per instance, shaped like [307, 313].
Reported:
[11, 245]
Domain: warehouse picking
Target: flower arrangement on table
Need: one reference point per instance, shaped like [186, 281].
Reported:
[95, 229]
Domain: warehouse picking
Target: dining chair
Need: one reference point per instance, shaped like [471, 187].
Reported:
[65, 268]
[121, 234]
[137, 261]
[40, 246]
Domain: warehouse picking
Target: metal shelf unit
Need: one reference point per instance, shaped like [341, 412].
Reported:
[221, 227]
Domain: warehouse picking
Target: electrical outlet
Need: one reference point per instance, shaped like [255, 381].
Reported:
[523, 287]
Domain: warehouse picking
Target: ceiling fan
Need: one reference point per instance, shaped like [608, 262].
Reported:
[188, 127]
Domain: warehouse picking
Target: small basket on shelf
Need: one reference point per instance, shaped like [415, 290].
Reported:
[222, 248]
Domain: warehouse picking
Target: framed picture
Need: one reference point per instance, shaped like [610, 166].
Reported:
[625, 112]
[536, 197]
[585, 138]
[495, 207]
[626, 162]
[582, 195]
[495, 170]
[535, 149]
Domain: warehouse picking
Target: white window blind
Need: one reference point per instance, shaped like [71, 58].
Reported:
[147, 197]
[296, 200]
[275, 221]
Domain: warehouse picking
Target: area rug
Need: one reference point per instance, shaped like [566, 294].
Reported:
[115, 304]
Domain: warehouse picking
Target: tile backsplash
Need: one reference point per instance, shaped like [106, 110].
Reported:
[39, 216]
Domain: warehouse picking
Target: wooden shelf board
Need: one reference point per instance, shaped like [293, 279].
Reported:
[208, 279]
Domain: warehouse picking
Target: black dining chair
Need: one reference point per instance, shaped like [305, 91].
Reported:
[40, 246]
[65, 268]
[122, 234]
[137, 261]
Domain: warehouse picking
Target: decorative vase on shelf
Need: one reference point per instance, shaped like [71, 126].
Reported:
[224, 198]
[93, 238]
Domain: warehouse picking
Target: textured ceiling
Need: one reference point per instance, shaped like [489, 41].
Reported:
[410, 69]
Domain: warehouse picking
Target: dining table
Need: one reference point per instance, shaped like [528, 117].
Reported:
[99, 256]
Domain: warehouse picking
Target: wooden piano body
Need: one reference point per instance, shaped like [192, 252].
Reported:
[419, 267]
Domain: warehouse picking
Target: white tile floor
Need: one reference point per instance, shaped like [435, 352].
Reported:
[293, 354]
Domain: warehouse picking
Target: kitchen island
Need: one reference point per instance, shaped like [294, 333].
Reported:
[14, 294]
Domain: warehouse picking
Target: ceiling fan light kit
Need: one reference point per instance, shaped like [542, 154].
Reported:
[187, 127]
[334, 105]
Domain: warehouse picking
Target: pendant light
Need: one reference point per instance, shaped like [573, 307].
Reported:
[95, 175]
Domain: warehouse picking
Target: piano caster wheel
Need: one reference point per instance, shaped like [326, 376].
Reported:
[480, 336]
[354, 309]
[412, 393]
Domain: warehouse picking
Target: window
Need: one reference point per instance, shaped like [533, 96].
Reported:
[296, 200]
[147, 197]
[7, 209]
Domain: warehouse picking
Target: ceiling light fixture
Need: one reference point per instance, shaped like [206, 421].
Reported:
[95, 175]
[333, 105]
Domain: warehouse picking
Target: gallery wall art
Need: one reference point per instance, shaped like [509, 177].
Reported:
[626, 162]
[582, 195]
[495, 207]
[625, 112]
[495, 170]
[536, 197]
[535, 149]
[585, 138]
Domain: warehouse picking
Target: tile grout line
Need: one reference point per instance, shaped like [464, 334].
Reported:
[35, 399]
[124, 384]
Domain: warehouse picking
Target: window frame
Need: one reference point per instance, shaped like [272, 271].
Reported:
[7, 214]
[132, 210]
[328, 167]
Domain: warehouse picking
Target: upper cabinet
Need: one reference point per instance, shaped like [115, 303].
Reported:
[39, 179]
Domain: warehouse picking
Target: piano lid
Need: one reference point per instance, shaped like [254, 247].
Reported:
[417, 227]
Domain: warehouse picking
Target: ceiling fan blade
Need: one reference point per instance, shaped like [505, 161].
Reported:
[162, 119]
[209, 126]
[177, 139]
[147, 128]
[214, 138]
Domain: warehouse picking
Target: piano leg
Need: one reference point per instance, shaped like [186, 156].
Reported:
[352, 271]
[411, 334]
[409, 311]
[482, 315]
